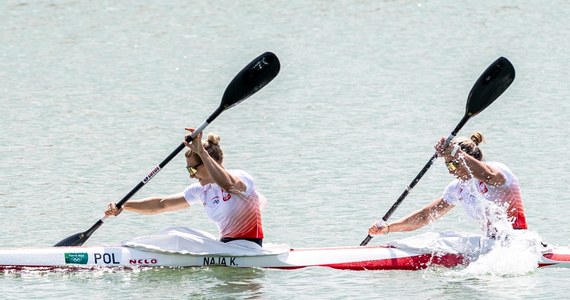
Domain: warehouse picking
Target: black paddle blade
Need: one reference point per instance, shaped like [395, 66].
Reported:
[251, 79]
[79, 238]
[492, 83]
[74, 240]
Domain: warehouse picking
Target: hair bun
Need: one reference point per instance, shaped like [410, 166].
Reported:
[214, 139]
[477, 138]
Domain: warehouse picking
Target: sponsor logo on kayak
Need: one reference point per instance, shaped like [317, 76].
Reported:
[143, 261]
[151, 174]
[76, 258]
[220, 261]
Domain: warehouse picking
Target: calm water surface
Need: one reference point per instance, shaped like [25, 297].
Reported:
[93, 94]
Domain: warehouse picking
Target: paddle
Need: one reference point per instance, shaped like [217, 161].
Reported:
[490, 85]
[251, 79]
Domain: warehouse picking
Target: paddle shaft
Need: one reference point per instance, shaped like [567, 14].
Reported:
[418, 177]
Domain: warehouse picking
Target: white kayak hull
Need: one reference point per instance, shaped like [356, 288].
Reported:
[349, 258]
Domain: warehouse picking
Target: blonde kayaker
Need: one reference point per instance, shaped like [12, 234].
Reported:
[229, 196]
[488, 191]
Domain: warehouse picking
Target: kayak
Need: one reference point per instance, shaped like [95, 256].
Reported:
[346, 258]
[391, 256]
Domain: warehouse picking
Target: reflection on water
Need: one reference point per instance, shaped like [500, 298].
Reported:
[168, 283]
[243, 283]
[486, 287]
[246, 283]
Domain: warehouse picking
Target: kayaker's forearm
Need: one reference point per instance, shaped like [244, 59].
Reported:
[221, 176]
[481, 170]
[409, 223]
[148, 206]
[422, 217]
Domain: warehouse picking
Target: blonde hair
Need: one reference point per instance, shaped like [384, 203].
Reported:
[471, 145]
[212, 146]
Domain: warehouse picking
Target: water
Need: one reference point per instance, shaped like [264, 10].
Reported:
[93, 94]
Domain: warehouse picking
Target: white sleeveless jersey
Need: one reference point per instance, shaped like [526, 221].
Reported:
[506, 197]
[236, 215]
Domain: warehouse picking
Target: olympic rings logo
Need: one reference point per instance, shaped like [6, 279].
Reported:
[76, 258]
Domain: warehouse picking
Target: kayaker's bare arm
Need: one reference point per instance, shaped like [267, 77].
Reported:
[416, 220]
[151, 205]
[222, 177]
[477, 168]
[484, 171]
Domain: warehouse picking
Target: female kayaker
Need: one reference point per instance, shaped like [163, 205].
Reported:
[488, 191]
[229, 196]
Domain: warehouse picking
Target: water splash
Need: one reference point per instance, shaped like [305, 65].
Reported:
[514, 255]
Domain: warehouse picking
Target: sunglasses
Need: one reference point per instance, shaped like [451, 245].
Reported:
[452, 165]
[193, 169]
